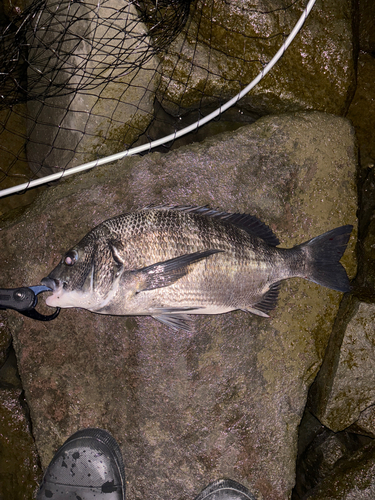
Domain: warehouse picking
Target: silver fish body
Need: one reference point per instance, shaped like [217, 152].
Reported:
[172, 261]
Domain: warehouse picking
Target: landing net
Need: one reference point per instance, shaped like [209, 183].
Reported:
[84, 83]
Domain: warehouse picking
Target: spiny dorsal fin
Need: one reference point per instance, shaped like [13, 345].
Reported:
[246, 222]
[253, 226]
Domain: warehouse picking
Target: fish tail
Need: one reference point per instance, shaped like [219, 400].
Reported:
[323, 259]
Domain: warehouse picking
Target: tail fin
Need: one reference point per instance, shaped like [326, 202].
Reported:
[324, 253]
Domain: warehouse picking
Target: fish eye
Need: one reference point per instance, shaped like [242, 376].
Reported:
[70, 258]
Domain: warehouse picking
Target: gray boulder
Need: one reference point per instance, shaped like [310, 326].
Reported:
[344, 387]
[98, 82]
[226, 44]
[343, 393]
[227, 399]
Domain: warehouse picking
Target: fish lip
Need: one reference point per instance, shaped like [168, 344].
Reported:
[51, 283]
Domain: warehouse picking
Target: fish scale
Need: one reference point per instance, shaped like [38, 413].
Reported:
[171, 261]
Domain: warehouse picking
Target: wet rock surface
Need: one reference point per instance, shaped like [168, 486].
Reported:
[351, 479]
[20, 471]
[366, 27]
[342, 395]
[349, 351]
[345, 384]
[13, 157]
[195, 72]
[320, 452]
[227, 399]
[330, 465]
[5, 337]
[362, 108]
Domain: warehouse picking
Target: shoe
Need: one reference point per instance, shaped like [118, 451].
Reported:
[225, 489]
[88, 466]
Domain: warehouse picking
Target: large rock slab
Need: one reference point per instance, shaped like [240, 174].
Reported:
[227, 399]
[344, 387]
[225, 45]
[342, 394]
[93, 65]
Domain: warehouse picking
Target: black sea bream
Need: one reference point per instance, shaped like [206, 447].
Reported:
[172, 261]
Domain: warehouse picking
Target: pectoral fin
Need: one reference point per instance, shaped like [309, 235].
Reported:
[168, 272]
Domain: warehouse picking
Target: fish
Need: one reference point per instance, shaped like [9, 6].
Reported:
[174, 261]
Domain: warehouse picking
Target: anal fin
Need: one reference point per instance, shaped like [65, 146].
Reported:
[267, 302]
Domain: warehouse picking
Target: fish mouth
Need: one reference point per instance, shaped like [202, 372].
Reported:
[51, 283]
[56, 287]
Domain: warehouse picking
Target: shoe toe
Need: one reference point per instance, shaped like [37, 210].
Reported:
[84, 468]
[225, 489]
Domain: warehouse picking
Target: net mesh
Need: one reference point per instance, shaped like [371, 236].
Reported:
[82, 80]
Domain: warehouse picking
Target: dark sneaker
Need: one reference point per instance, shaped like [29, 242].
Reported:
[88, 466]
[225, 489]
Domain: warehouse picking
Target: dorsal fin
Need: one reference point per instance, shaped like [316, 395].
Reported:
[246, 222]
[253, 226]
